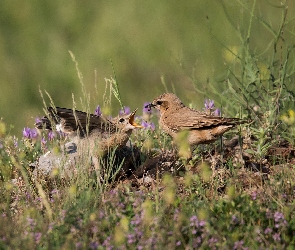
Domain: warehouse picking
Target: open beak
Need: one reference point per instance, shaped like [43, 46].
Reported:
[131, 120]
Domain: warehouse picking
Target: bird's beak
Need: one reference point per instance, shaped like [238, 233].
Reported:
[150, 105]
[131, 120]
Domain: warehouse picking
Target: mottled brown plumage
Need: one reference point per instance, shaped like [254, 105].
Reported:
[74, 122]
[176, 117]
[90, 132]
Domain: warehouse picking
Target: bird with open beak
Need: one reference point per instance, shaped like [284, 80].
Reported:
[97, 132]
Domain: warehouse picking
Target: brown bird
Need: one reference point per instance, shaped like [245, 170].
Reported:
[202, 128]
[92, 131]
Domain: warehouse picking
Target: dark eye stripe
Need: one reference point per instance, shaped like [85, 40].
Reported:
[159, 102]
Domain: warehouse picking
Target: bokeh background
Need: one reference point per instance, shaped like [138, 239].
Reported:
[179, 43]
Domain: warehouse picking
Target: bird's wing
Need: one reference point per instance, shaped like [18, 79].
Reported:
[187, 118]
[74, 119]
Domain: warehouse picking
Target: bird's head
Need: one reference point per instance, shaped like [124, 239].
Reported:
[165, 101]
[126, 122]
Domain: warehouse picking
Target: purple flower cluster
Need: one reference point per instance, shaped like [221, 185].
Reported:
[195, 223]
[97, 111]
[93, 245]
[51, 135]
[279, 220]
[274, 233]
[239, 245]
[146, 116]
[197, 228]
[125, 111]
[37, 237]
[210, 106]
[31, 223]
[30, 133]
[148, 125]
[107, 243]
[253, 195]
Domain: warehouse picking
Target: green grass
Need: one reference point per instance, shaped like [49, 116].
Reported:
[241, 198]
[212, 209]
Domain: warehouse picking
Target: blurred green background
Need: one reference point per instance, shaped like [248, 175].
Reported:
[181, 42]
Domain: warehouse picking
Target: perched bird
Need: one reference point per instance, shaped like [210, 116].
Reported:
[88, 130]
[202, 128]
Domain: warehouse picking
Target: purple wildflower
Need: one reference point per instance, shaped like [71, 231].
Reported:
[202, 223]
[51, 135]
[239, 244]
[197, 242]
[137, 220]
[254, 195]
[234, 220]
[178, 243]
[94, 229]
[194, 221]
[209, 104]
[125, 111]
[97, 111]
[212, 242]
[26, 132]
[38, 199]
[101, 214]
[37, 237]
[43, 141]
[131, 238]
[148, 125]
[31, 222]
[107, 243]
[217, 112]
[276, 237]
[93, 245]
[279, 220]
[268, 230]
[34, 133]
[278, 216]
[15, 142]
[38, 120]
[30, 133]
[54, 191]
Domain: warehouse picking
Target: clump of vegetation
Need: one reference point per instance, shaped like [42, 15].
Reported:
[231, 196]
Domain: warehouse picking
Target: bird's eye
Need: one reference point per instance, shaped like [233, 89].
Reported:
[121, 120]
[159, 102]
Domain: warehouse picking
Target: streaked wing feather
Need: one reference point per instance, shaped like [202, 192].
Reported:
[190, 119]
[80, 120]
